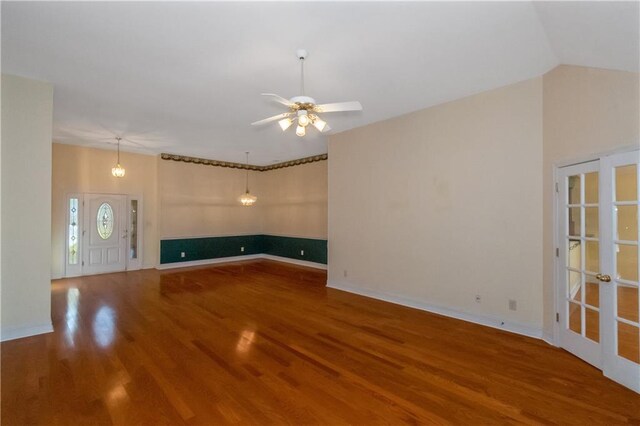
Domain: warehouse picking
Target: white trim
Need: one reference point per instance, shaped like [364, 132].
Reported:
[488, 321]
[176, 265]
[549, 338]
[210, 236]
[229, 259]
[295, 236]
[294, 261]
[594, 157]
[18, 332]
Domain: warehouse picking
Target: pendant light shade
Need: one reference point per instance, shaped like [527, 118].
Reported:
[118, 171]
[247, 199]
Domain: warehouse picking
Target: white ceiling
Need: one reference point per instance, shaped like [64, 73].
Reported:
[186, 78]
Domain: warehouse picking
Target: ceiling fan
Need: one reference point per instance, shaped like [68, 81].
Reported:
[304, 109]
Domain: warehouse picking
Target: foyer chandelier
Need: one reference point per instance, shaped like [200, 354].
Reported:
[247, 199]
[118, 171]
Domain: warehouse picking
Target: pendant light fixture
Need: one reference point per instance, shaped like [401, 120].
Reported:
[247, 199]
[118, 171]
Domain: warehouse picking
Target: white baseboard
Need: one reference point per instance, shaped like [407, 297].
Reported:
[175, 265]
[294, 261]
[12, 333]
[238, 259]
[488, 321]
[548, 337]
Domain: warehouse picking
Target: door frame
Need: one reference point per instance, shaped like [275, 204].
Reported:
[130, 265]
[555, 341]
[556, 205]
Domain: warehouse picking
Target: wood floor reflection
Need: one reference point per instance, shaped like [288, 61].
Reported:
[262, 342]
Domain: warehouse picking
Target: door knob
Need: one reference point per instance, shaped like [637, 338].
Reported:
[603, 278]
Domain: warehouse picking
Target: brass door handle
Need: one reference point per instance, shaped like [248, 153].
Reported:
[603, 278]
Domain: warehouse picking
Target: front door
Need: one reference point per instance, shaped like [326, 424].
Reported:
[105, 234]
[598, 265]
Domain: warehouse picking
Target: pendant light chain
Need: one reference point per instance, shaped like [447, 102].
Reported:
[302, 76]
[247, 199]
[119, 139]
[247, 152]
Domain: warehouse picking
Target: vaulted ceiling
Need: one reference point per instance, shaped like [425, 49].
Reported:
[186, 78]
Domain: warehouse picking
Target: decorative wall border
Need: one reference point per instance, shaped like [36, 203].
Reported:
[216, 163]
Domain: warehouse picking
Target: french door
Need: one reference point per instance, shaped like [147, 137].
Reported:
[598, 291]
[102, 234]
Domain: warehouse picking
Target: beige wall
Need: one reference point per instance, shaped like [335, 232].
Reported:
[191, 200]
[294, 201]
[444, 204]
[80, 169]
[198, 200]
[27, 107]
[587, 111]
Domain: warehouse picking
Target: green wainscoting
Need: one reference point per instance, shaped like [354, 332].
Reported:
[314, 250]
[220, 247]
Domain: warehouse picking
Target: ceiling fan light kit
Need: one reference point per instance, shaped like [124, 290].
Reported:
[303, 109]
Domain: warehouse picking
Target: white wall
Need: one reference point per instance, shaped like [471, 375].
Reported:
[26, 202]
[444, 204]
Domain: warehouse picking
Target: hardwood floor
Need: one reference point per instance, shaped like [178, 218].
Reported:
[267, 343]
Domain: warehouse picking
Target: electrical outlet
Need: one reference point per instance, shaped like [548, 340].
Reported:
[182, 254]
[242, 249]
[478, 298]
[345, 273]
[301, 252]
[513, 305]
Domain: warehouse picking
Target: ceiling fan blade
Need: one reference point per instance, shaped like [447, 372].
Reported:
[278, 98]
[270, 119]
[339, 106]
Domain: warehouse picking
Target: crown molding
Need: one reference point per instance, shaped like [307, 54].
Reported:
[216, 163]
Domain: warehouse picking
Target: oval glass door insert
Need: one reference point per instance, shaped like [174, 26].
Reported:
[104, 221]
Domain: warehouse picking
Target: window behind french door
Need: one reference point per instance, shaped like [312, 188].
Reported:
[102, 234]
[598, 291]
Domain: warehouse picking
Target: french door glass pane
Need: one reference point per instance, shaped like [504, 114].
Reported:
[628, 303]
[627, 217]
[591, 188]
[575, 317]
[627, 262]
[592, 256]
[629, 342]
[591, 218]
[592, 296]
[575, 221]
[574, 189]
[575, 289]
[627, 183]
[592, 322]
